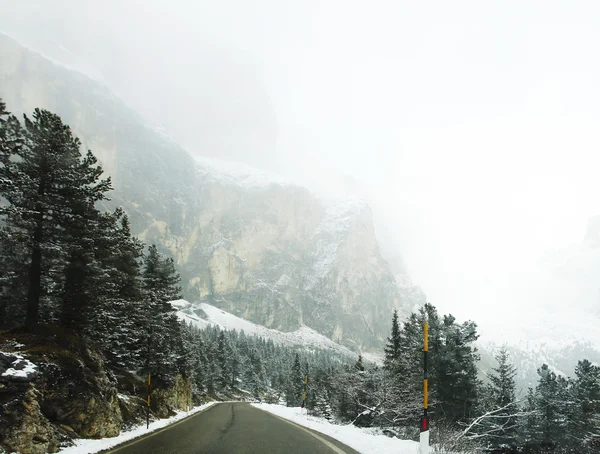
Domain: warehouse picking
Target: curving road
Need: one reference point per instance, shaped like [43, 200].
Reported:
[234, 428]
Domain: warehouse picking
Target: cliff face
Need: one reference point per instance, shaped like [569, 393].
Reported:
[259, 248]
[273, 254]
[53, 387]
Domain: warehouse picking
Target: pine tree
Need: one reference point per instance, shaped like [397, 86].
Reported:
[163, 333]
[295, 387]
[223, 360]
[527, 432]
[584, 417]
[51, 197]
[234, 362]
[455, 368]
[501, 427]
[551, 404]
[453, 381]
[119, 295]
[392, 348]
[322, 407]
[13, 254]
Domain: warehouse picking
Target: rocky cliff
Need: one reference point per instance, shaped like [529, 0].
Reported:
[260, 248]
[54, 388]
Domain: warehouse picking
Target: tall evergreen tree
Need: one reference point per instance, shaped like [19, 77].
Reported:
[223, 359]
[119, 295]
[456, 375]
[551, 403]
[584, 415]
[500, 428]
[50, 200]
[160, 285]
[295, 382]
[392, 347]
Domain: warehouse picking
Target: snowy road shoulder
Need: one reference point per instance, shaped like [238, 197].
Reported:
[365, 441]
[92, 446]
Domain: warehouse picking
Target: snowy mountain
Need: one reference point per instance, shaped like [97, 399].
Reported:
[261, 248]
[558, 322]
[202, 315]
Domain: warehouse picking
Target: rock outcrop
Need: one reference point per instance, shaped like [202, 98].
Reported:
[53, 387]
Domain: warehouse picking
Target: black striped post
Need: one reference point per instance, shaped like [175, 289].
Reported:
[424, 437]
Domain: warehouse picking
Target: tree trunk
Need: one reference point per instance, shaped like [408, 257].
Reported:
[35, 278]
[35, 270]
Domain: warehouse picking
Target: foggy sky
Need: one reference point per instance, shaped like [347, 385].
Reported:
[470, 126]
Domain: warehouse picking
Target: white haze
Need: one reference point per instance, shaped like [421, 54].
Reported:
[470, 126]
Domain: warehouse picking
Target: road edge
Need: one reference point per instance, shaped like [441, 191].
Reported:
[155, 432]
[312, 432]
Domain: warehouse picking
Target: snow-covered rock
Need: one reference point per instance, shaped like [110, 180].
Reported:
[15, 366]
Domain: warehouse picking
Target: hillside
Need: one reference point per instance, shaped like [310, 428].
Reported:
[260, 248]
[202, 315]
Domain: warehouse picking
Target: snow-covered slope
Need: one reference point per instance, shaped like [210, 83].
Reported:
[202, 315]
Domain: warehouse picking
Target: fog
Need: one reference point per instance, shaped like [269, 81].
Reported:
[470, 127]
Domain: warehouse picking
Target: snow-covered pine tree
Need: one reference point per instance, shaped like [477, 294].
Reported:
[499, 429]
[223, 359]
[119, 295]
[234, 364]
[163, 333]
[456, 375]
[528, 430]
[392, 347]
[584, 417]
[13, 250]
[551, 401]
[83, 230]
[51, 195]
[322, 407]
[295, 383]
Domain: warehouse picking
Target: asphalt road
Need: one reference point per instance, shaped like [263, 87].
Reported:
[235, 428]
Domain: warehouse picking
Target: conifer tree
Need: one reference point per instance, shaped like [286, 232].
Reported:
[500, 428]
[119, 295]
[584, 414]
[295, 382]
[50, 199]
[551, 403]
[392, 348]
[322, 407]
[223, 360]
[160, 286]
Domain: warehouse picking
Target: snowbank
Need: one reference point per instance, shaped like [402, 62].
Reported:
[92, 446]
[365, 441]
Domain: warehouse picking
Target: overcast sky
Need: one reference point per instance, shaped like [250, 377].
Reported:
[472, 126]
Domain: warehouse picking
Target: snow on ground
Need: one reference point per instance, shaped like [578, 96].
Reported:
[365, 441]
[86, 445]
[304, 336]
[21, 367]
